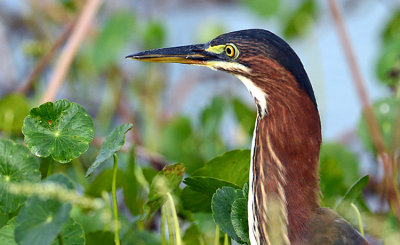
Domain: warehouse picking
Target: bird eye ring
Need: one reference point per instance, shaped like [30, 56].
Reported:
[231, 51]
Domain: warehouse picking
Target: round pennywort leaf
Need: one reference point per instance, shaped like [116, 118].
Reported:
[239, 219]
[71, 233]
[41, 220]
[7, 233]
[221, 206]
[16, 165]
[62, 129]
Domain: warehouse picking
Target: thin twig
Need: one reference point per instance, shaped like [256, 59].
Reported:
[358, 80]
[370, 118]
[80, 30]
[114, 200]
[44, 61]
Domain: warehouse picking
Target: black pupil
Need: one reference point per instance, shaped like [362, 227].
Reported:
[229, 51]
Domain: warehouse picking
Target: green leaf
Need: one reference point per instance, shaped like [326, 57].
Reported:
[232, 166]
[388, 67]
[222, 202]
[100, 237]
[114, 36]
[166, 181]
[353, 195]
[301, 19]
[102, 182]
[246, 191]
[149, 173]
[40, 221]
[244, 115]
[113, 143]
[385, 111]
[392, 29]
[207, 185]
[179, 144]
[354, 192]
[17, 165]
[4, 217]
[62, 129]
[338, 170]
[7, 233]
[239, 219]
[197, 196]
[195, 201]
[262, 7]
[72, 234]
[13, 109]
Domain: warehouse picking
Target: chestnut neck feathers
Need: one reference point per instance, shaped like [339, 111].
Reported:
[285, 155]
[286, 143]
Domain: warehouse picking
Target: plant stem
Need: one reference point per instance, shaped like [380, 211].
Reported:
[226, 239]
[163, 219]
[216, 239]
[178, 240]
[360, 223]
[50, 168]
[114, 199]
[80, 173]
[60, 239]
[169, 221]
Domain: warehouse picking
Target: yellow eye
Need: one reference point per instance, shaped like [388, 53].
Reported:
[230, 50]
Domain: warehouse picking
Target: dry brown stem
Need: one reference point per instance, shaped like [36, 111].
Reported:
[79, 31]
[374, 130]
[44, 61]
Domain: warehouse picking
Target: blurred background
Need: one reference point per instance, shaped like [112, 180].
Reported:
[192, 114]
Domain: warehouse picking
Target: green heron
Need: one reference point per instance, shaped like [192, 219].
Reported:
[283, 181]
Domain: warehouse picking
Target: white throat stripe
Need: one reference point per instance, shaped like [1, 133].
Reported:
[256, 92]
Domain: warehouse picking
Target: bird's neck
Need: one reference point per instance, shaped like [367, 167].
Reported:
[285, 163]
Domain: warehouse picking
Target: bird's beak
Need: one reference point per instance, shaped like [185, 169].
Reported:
[191, 54]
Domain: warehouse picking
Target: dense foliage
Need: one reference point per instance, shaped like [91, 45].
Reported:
[160, 176]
